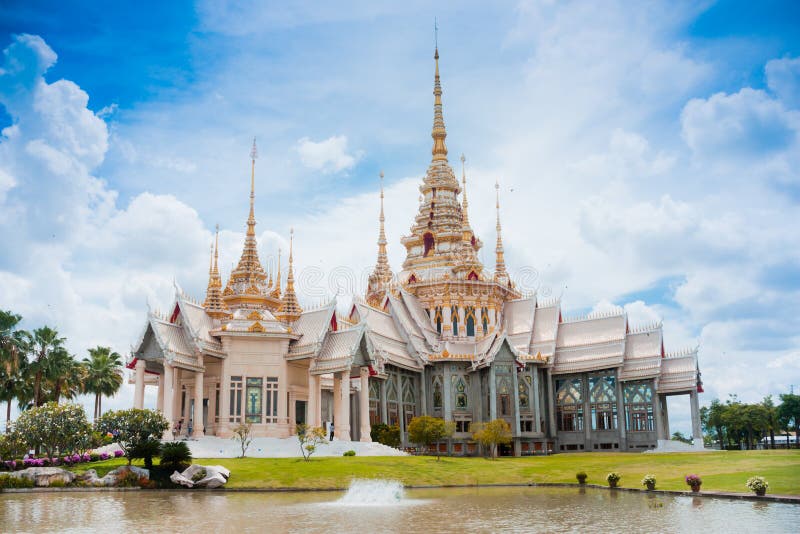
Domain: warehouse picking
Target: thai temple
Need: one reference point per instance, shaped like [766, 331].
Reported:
[445, 336]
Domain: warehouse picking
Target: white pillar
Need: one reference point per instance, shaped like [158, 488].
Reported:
[313, 401]
[224, 400]
[168, 398]
[337, 403]
[197, 429]
[160, 394]
[363, 407]
[341, 428]
[697, 431]
[138, 394]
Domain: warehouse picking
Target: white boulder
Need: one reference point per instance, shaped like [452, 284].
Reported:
[45, 476]
[215, 476]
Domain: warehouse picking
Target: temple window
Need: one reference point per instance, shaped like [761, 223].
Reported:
[569, 405]
[472, 275]
[437, 393]
[409, 399]
[374, 402]
[462, 425]
[236, 399]
[469, 320]
[253, 395]
[272, 399]
[428, 242]
[438, 319]
[393, 409]
[603, 400]
[524, 388]
[460, 392]
[485, 320]
[639, 407]
[504, 397]
[454, 318]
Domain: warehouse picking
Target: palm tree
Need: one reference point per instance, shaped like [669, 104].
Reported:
[103, 375]
[45, 343]
[12, 358]
[65, 376]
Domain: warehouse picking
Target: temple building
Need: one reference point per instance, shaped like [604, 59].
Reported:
[445, 336]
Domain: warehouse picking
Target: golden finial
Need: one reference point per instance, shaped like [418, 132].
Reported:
[216, 249]
[465, 203]
[214, 305]
[276, 292]
[291, 309]
[382, 274]
[439, 133]
[253, 157]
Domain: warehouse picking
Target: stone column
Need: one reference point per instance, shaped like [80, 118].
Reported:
[659, 417]
[537, 413]
[341, 428]
[313, 401]
[697, 431]
[160, 394]
[492, 395]
[337, 403]
[665, 417]
[198, 405]
[551, 404]
[186, 395]
[447, 393]
[169, 399]
[384, 407]
[212, 410]
[138, 393]
[363, 407]
[621, 419]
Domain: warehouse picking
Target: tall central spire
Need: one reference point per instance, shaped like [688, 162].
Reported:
[382, 274]
[251, 220]
[439, 133]
[214, 305]
[500, 274]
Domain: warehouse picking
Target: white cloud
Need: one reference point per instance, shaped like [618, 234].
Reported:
[783, 78]
[328, 156]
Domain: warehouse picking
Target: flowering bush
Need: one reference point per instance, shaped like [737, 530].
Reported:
[132, 428]
[694, 481]
[10, 464]
[613, 479]
[758, 485]
[105, 456]
[118, 453]
[649, 481]
[54, 427]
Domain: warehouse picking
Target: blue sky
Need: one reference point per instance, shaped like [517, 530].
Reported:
[648, 155]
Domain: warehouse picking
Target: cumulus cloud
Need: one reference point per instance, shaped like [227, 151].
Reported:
[329, 155]
[783, 78]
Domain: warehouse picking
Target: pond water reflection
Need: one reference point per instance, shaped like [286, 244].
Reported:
[435, 510]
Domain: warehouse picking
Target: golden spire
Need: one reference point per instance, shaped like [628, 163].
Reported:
[247, 285]
[500, 273]
[214, 305]
[382, 274]
[291, 309]
[464, 203]
[276, 292]
[439, 133]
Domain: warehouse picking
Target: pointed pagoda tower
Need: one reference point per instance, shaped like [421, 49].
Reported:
[291, 310]
[500, 274]
[214, 305]
[381, 277]
[442, 268]
[247, 286]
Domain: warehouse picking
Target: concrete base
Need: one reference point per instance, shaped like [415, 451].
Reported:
[668, 445]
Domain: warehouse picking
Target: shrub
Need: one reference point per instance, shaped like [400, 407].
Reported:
[175, 455]
[199, 475]
[491, 434]
[132, 428]
[758, 485]
[310, 438]
[649, 481]
[8, 481]
[613, 479]
[129, 479]
[57, 484]
[118, 453]
[349, 453]
[54, 427]
[243, 435]
[581, 476]
[386, 434]
[426, 430]
[146, 450]
[12, 445]
[94, 457]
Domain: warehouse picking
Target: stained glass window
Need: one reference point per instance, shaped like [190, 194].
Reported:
[569, 405]
[460, 392]
[639, 407]
[253, 404]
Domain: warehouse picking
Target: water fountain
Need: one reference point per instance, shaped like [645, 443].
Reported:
[372, 493]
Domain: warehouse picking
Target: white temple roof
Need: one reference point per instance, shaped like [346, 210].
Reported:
[311, 327]
[337, 352]
[678, 373]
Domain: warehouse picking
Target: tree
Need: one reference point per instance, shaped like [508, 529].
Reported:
[491, 434]
[103, 375]
[45, 342]
[13, 346]
[773, 423]
[426, 430]
[53, 427]
[243, 434]
[789, 415]
[310, 438]
[133, 429]
[65, 376]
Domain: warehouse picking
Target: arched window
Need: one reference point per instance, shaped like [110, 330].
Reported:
[485, 320]
[603, 402]
[504, 397]
[429, 244]
[437, 393]
[454, 318]
[392, 401]
[469, 320]
[569, 405]
[472, 275]
[438, 319]
[639, 407]
[412, 279]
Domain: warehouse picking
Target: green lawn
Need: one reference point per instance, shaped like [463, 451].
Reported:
[721, 471]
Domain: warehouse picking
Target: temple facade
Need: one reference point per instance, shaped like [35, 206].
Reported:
[444, 336]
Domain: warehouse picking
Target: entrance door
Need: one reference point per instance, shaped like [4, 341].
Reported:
[300, 412]
[205, 415]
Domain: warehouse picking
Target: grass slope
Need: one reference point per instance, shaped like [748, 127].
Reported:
[720, 471]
